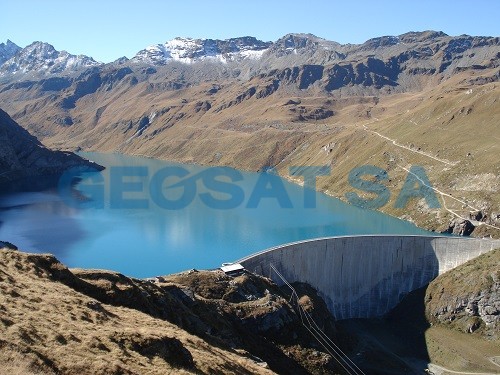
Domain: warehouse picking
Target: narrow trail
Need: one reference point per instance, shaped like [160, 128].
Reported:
[494, 360]
[441, 193]
[395, 143]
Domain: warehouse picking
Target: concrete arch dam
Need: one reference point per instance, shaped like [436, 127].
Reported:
[366, 276]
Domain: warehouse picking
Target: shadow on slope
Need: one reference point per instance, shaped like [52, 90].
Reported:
[450, 323]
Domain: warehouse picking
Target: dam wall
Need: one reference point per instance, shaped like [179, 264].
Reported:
[366, 276]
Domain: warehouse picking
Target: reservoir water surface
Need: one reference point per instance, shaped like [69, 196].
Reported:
[150, 241]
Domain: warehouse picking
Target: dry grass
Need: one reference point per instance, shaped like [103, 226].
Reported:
[56, 320]
[58, 329]
[456, 120]
[14, 362]
[460, 351]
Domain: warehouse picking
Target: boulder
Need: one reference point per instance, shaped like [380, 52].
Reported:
[460, 227]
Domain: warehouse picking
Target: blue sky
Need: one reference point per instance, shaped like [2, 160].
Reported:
[110, 29]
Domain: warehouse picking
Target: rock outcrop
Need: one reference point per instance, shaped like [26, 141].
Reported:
[22, 155]
[7, 245]
[73, 321]
[468, 297]
[460, 227]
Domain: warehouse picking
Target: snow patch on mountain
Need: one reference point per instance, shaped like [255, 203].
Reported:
[43, 58]
[189, 50]
[8, 50]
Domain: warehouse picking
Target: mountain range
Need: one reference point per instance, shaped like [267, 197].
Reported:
[420, 98]
[42, 58]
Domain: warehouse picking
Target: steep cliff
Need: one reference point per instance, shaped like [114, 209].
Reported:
[22, 155]
[468, 298]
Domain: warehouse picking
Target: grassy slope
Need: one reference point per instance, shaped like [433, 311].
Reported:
[477, 282]
[58, 329]
[456, 120]
[56, 320]
[448, 343]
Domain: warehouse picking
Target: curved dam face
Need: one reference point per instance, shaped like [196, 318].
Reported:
[366, 276]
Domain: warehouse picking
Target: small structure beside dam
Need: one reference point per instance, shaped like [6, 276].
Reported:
[366, 276]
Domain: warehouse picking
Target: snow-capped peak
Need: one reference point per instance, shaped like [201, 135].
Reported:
[8, 50]
[43, 58]
[189, 50]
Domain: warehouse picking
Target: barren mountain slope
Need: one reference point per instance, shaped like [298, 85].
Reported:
[420, 99]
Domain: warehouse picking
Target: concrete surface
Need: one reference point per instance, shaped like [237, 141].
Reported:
[366, 276]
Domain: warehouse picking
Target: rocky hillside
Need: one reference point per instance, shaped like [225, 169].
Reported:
[56, 320]
[450, 326]
[393, 102]
[22, 155]
[468, 299]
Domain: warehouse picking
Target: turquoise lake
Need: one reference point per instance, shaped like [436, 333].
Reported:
[144, 242]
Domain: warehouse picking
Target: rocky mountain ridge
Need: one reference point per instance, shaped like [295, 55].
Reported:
[188, 50]
[8, 50]
[43, 59]
[290, 50]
